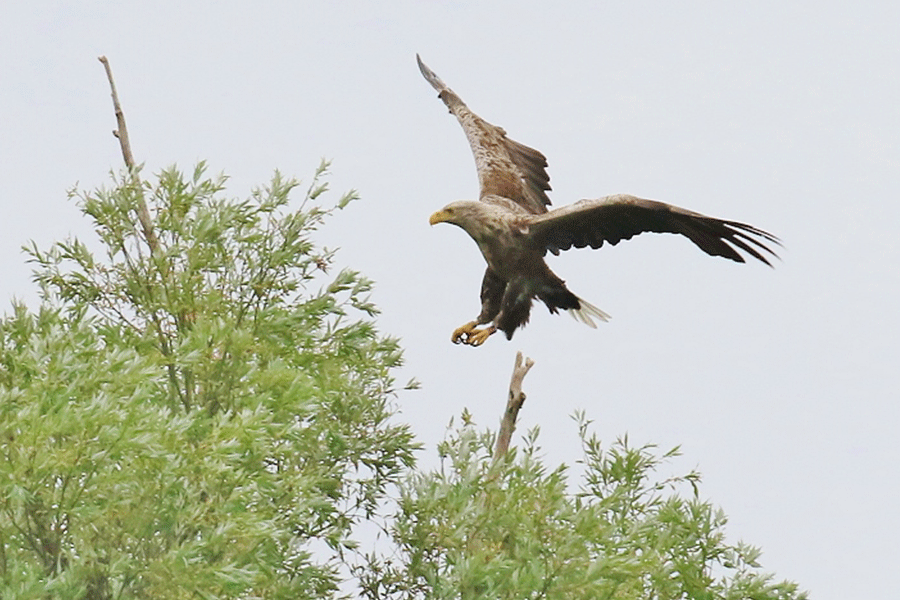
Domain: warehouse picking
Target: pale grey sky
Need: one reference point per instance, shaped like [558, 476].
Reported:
[781, 385]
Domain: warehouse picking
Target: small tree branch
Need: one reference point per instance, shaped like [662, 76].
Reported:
[122, 134]
[513, 405]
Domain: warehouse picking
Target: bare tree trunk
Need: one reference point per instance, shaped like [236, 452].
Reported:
[122, 134]
[513, 405]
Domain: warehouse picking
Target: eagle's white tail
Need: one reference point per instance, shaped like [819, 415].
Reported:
[587, 313]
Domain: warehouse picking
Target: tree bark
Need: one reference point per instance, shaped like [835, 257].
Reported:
[513, 405]
[121, 133]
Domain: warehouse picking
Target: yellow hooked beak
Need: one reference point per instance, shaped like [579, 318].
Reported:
[440, 216]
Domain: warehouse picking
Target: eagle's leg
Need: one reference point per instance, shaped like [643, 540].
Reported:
[491, 293]
[463, 332]
[478, 336]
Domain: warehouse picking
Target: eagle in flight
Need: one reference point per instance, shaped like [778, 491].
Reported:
[514, 228]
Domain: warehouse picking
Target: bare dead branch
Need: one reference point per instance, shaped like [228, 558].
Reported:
[513, 405]
[143, 213]
[121, 133]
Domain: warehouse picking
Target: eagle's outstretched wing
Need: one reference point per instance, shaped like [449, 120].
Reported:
[621, 217]
[505, 167]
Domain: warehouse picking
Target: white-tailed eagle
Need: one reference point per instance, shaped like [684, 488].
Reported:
[514, 229]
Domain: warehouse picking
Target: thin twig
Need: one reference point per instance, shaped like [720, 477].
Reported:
[121, 133]
[513, 405]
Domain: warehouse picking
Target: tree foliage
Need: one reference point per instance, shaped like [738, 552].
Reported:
[479, 528]
[209, 418]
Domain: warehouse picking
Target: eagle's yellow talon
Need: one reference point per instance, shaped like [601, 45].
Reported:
[479, 336]
[463, 333]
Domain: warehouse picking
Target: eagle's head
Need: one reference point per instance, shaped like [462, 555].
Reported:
[460, 213]
[478, 219]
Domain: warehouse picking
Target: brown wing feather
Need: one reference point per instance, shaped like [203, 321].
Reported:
[621, 217]
[505, 167]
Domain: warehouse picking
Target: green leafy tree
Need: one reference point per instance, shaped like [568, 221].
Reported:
[201, 412]
[480, 527]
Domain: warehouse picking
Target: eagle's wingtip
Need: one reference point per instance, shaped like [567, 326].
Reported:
[430, 75]
[424, 69]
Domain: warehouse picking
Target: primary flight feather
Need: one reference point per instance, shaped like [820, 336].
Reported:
[514, 228]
